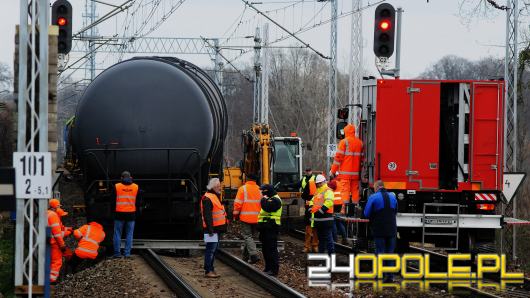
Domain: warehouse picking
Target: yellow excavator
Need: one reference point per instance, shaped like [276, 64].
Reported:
[274, 160]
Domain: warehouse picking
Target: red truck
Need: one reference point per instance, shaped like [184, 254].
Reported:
[438, 145]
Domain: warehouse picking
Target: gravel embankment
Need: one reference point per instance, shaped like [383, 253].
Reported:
[112, 278]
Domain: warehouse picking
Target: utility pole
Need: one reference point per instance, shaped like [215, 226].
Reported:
[265, 71]
[90, 18]
[257, 77]
[509, 242]
[32, 136]
[218, 65]
[332, 101]
[356, 67]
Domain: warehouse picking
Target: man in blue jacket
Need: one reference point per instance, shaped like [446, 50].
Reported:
[381, 209]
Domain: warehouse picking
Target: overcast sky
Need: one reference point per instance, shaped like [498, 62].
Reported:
[431, 29]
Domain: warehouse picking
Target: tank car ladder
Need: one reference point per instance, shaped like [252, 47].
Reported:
[430, 222]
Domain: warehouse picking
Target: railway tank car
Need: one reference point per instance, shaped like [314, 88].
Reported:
[164, 120]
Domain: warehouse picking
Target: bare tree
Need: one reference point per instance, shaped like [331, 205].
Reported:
[6, 78]
[7, 108]
[68, 95]
[452, 67]
[298, 102]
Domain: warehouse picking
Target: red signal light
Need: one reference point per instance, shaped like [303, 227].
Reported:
[384, 25]
[61, 21]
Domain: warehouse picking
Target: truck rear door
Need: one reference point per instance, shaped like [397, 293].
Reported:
[424, 123]
[486, 131]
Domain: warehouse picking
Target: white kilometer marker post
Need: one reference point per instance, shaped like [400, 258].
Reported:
[33, 174]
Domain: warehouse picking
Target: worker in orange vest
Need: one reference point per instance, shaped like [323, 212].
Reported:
[66, 231]
[126, 202]
[322, 215]
[246, 209]
[338, 227]
[347, 163]
[213, 222]
[57, 245]
[89, 237]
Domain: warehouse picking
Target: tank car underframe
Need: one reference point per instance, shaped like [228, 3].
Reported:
[169, 205]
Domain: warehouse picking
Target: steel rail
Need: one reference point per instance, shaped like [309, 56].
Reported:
[271, 284]
[172, 279]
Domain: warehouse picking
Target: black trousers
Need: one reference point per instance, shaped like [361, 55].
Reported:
[269, 247]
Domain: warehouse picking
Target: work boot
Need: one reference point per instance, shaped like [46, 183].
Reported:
[253, 259]
[211, 274]
[306, 250]
[315, 249]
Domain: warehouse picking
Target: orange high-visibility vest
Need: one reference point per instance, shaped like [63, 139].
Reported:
[126, 197]
[347, 159]
[90, 236]
[54, 222]
[319, 200]
[247, 202]
[218, 210]
[312, 185]
[337, 198]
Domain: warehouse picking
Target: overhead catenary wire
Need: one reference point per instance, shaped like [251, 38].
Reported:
[284, 29]
[109, 15]
[315, 25]
[228, 61]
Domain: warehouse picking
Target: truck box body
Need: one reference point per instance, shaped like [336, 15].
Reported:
[433, 135]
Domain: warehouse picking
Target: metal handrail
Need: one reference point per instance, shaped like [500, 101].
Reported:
[106, 151]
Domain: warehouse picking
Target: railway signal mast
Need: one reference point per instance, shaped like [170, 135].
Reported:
[386, 32]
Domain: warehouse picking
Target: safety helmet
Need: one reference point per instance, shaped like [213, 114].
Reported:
[54, 203]
[320, 179]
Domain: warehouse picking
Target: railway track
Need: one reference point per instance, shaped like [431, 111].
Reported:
[171, 278]
[184, 276]
[438, 260]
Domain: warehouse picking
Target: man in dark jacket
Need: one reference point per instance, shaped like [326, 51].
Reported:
[269, 221]
[381, 209]
[214, 223]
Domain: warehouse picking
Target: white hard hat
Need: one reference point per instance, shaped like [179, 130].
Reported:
[320, 179]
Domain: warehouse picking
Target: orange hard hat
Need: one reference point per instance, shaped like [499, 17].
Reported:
[61, 212]
[54, 203]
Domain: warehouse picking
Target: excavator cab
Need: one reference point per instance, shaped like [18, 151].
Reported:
[287, 163]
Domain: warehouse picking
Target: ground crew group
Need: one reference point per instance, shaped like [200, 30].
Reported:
[259, 208]
[90, 236]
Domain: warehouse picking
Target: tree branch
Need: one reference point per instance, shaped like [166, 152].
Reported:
[496, 5]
